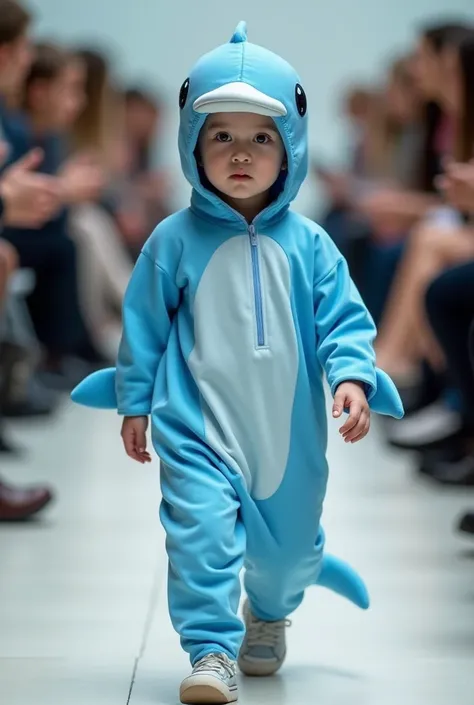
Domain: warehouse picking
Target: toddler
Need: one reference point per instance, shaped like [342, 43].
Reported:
[235, 308]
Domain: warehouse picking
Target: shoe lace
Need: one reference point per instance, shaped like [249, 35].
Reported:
[260, 633]
[216, 663]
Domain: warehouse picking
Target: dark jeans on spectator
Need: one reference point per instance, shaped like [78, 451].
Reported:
[373, 266]
[450, 309]
[54, 304]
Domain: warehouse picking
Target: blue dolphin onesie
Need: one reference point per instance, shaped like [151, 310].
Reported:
[228, 328]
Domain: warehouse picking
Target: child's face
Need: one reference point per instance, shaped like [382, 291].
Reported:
[242, 155]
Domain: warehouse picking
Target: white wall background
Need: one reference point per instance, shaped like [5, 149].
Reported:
[329, 42]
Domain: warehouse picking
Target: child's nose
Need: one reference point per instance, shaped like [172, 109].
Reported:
[241, 157]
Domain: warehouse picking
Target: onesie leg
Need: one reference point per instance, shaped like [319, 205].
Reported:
[205, 542]
[276, 582]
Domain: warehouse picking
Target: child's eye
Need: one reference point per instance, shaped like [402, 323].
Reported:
[262, 139]
[223, 137]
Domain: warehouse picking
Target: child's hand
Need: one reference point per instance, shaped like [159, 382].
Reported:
[351, 395]
[134, 438]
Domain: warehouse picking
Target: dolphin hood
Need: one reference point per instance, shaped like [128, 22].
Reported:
[243, 77]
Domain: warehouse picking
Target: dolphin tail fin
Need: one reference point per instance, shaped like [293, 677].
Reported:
[341, 578]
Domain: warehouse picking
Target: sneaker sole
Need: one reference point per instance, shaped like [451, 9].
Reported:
[257, 668]
[199, 692]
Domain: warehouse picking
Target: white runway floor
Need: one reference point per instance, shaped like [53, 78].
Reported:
[83, 614]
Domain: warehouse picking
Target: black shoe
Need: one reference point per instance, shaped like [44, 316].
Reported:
[29, 408]
[466, 524]
[450, 451]
[67, 375]
[9, 448]
[453, 473]
[88, 352]
[36, 401]
[428, 390]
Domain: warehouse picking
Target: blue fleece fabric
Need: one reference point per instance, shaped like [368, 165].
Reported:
[228, 328]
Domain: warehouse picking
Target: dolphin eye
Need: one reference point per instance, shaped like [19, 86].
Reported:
[300, 99]
[183, 93]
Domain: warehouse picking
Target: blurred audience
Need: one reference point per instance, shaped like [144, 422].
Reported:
[370, 226]
[440, 239]
[76, 155]
[150, 184]
[51, 97]
[403, 214]
[105, 266]
[28, 200]
[406, 339]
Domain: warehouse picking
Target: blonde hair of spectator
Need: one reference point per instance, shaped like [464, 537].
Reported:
[101, 124]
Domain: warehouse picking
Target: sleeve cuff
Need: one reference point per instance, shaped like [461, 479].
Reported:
[134, 412]
[370, 385]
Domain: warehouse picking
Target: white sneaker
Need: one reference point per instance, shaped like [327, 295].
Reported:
[213, 680]
[427, 426]
[264, 647]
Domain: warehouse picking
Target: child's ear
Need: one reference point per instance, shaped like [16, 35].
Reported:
[284, 165]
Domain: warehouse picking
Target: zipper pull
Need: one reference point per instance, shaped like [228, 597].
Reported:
[253, 235]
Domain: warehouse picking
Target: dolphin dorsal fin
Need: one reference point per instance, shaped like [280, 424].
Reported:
[240, 34]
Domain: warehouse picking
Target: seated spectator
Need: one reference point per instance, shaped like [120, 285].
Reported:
[390, 136]
[150, 184]
[450, 311]
[51, 99]
[339, 186]
[105, 266]
[391, 211]
[26, 199]
[406, 205]
[142, 115]
[138, 197]
[432, 250]
[404, 337]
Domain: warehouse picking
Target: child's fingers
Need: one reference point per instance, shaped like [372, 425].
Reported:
[130, 449]
[354, 416]
[356, 428]
[360, 429]
[132, 453]
[141, 441]
[361, 435]
[339, 404]
[140, 457]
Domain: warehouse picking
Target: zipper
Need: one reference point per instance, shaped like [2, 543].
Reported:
[257, 282]
[257, 286]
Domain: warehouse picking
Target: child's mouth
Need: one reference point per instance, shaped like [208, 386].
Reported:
[240, 177]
